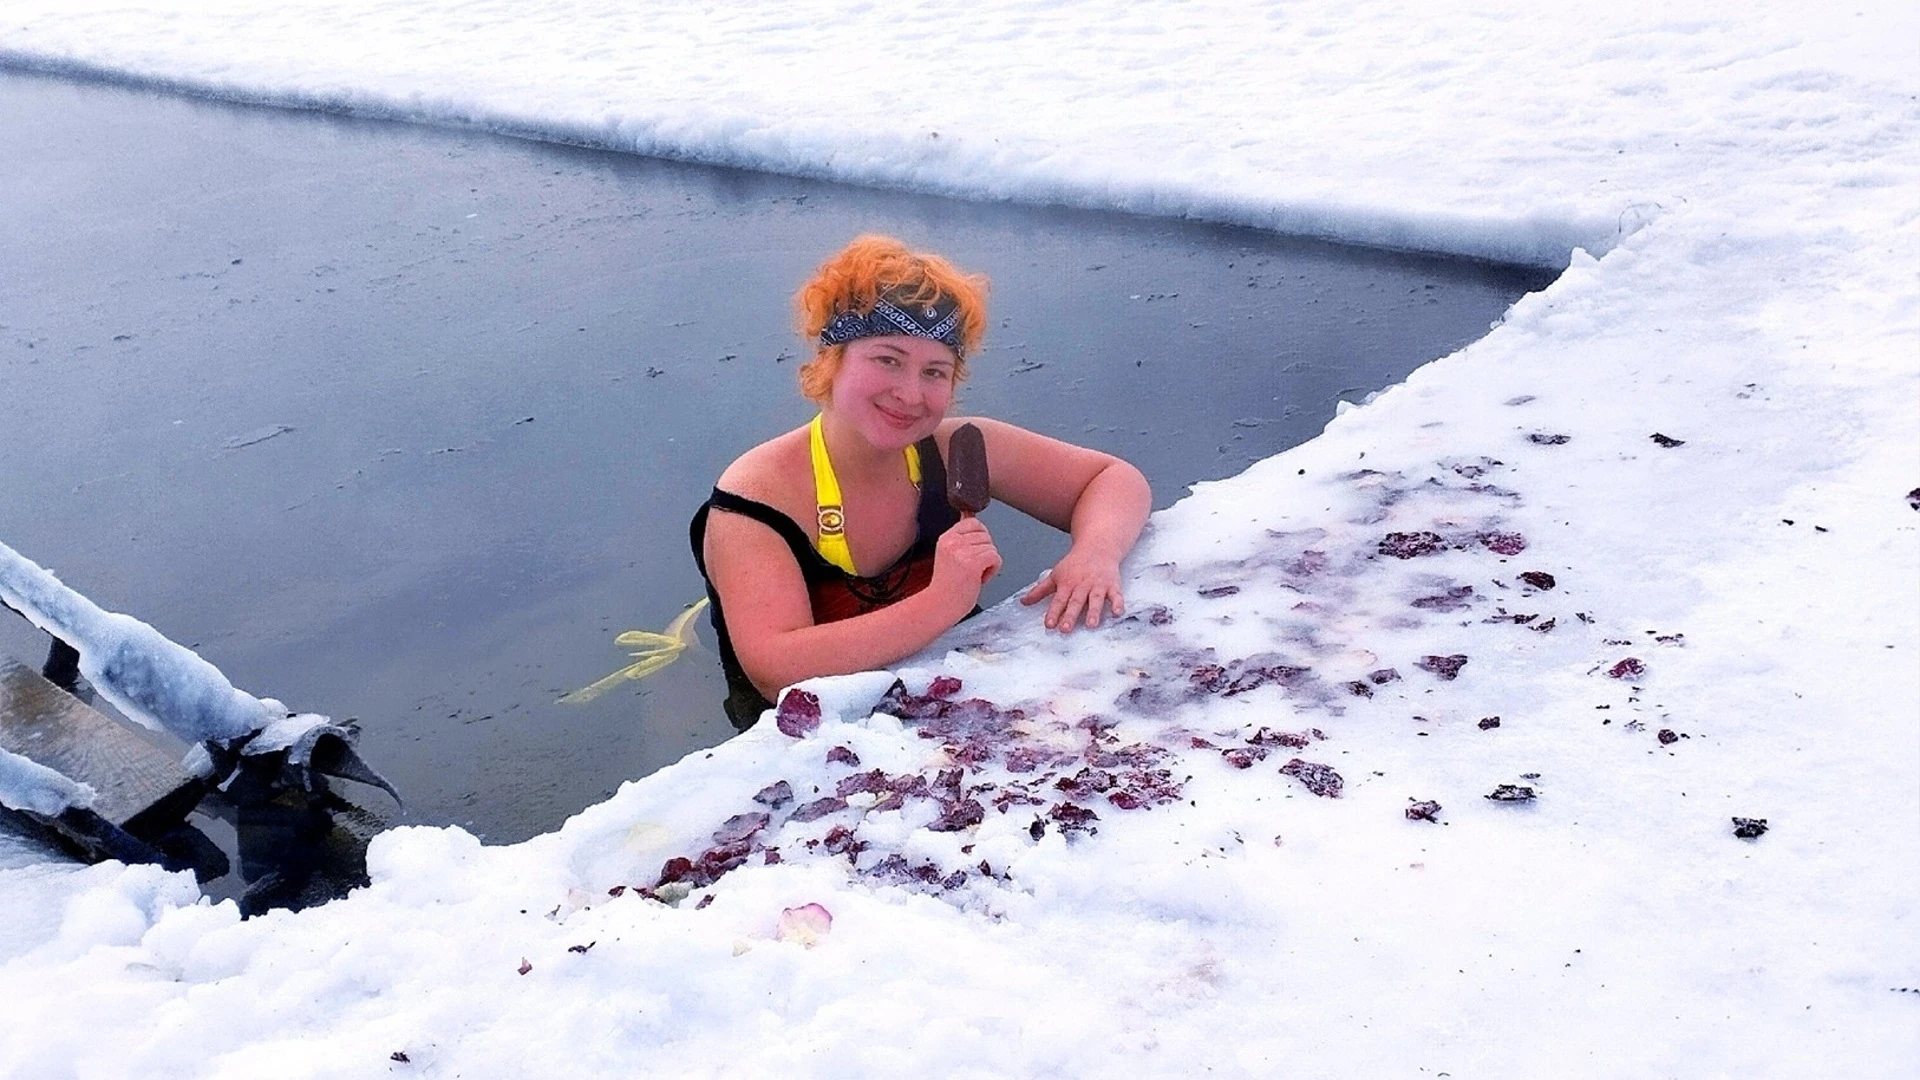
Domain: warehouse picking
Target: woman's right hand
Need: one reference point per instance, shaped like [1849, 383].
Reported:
[964, 559]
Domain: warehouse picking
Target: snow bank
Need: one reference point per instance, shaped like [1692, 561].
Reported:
[1646, 551]
[1303, 119]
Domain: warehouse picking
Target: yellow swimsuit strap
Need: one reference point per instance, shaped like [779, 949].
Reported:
[832, 515]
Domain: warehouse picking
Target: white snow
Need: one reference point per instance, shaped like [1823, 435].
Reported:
[1741, 181]
[28, 785]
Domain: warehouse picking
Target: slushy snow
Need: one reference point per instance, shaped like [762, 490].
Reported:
[1423, 748]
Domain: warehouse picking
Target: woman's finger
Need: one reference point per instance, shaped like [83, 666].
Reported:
[1040, 591]
[1059, 604]
[1070, 611]
[1096, 607]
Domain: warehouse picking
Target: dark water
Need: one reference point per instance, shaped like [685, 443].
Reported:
[510, 371]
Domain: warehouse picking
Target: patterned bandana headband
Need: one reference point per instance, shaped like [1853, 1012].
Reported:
[936, 321]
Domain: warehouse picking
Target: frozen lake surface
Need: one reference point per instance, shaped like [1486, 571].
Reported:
[406, 424]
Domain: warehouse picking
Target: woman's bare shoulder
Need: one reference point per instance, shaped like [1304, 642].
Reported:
[770, 472]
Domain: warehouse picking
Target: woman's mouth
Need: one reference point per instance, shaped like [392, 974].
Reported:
[898, 419]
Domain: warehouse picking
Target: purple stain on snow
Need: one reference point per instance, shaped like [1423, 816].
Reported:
[1383, 676]
[841, 755]
[798, 714]
[1086, 782]
[1244, 757]
[1208, 678]
[739, 827]
[1320, 779]
[1255, 676]
[1071, 818]
[1154, 614]
[775, 795]
[863, 783]
[1503, 543]
[957, 815]
[1539, 579]
[1445, 667]
[840, 840]
[1306, 564]
[1288, 739]
[1454, 599]
[1630, 668]
[1471, 470]
[818, 809]
[1423, 810]
[1411, 545]
[1217, 591]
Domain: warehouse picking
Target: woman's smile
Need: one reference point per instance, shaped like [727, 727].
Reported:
[900, 418]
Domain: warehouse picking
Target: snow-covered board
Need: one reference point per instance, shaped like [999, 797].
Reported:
[137, 783]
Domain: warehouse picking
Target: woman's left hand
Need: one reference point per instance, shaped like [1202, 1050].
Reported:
[1081, 582]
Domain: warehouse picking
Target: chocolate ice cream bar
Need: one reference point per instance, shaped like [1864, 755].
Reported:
[967, 470]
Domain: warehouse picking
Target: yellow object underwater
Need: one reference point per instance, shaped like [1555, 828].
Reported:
[651, 652]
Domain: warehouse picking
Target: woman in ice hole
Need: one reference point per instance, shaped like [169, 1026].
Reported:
[834, 548]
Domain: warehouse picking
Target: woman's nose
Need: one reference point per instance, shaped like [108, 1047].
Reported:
[907, 388]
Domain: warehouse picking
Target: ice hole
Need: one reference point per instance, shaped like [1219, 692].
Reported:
[405, 424]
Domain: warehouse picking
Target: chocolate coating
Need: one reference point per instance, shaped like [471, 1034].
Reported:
[967, 470]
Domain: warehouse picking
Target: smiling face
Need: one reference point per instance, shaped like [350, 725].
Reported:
[894, 390]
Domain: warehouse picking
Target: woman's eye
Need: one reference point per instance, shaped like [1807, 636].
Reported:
[939, 374]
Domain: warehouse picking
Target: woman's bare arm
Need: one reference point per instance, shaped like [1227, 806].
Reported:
[770, 618]
[1100, 500]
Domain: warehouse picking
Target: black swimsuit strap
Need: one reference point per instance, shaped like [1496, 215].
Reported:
[782, 525]
[934, 517]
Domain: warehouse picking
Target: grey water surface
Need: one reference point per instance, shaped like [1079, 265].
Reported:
[405, 424]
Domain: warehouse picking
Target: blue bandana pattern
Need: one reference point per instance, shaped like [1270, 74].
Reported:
[938, 321]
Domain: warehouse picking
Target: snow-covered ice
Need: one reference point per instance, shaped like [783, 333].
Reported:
[1657, 524]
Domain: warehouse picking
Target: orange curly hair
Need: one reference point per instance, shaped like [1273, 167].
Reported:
[854, 280]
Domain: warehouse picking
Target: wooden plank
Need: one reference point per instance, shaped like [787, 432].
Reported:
[130, 775]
